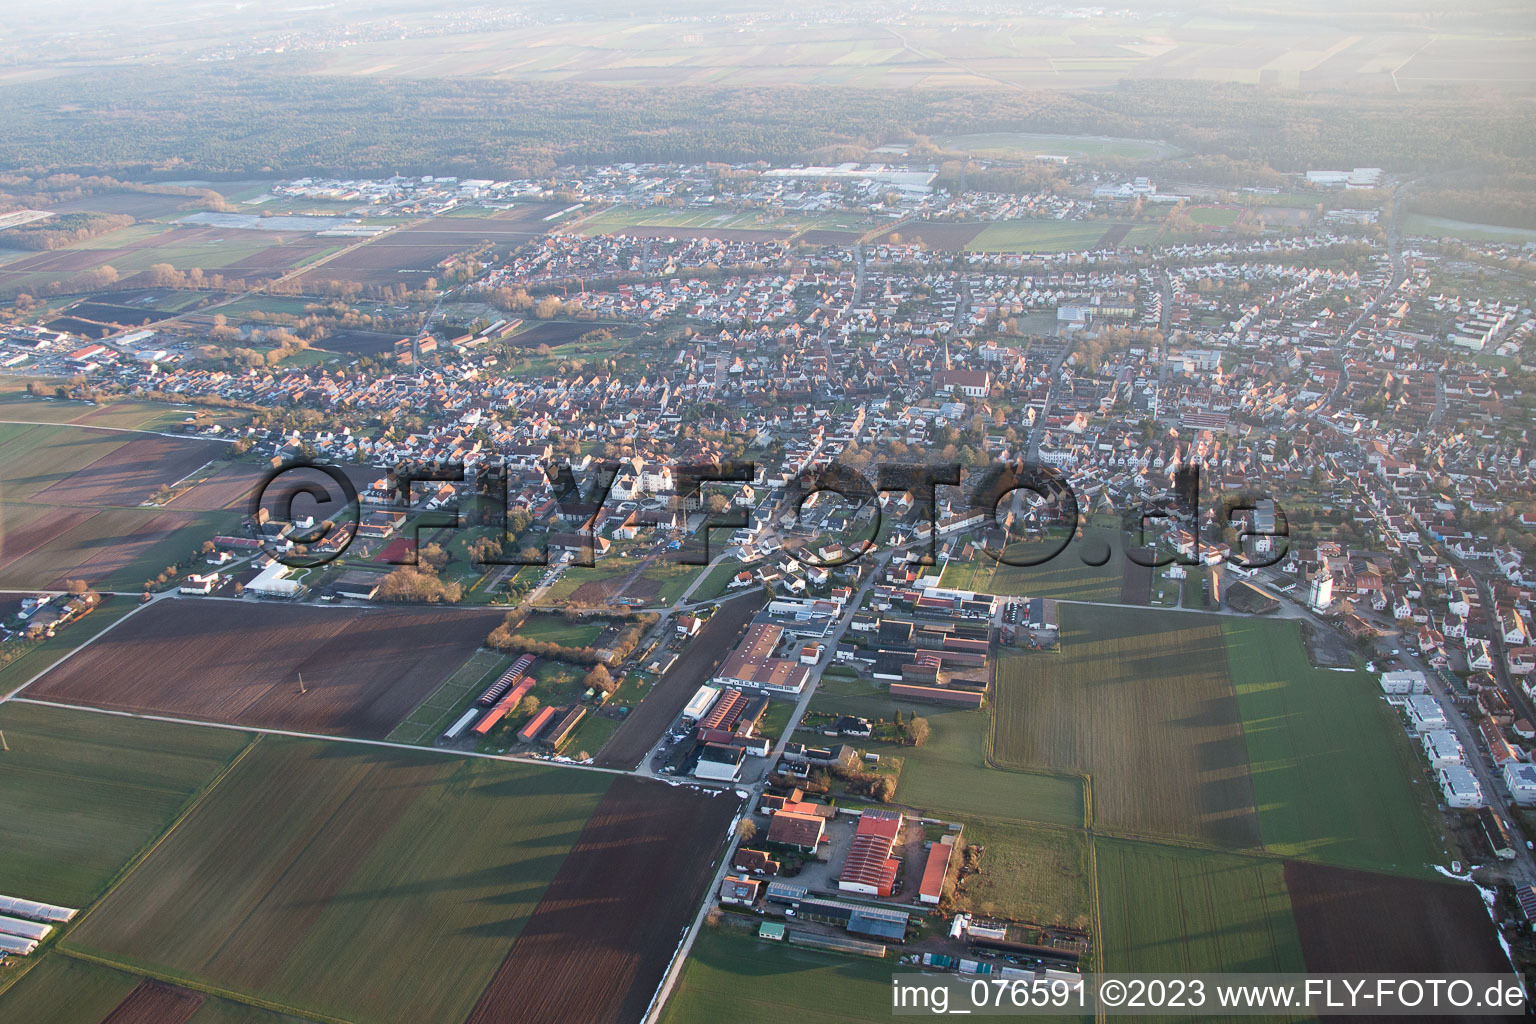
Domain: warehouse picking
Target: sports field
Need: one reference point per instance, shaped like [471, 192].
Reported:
[732, 975]
[1140, 702]
[318, 875]
[81, 794]
[1168, 908]
[1333, 774]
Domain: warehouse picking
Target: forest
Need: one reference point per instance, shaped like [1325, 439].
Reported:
[162, 123]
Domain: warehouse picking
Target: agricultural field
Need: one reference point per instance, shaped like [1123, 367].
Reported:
[131, 473]
[232, 252]
[1140, 703]
[226, 661]
[1175, 909]
[733, 975]
[43, 654]
[112, 549]
[1029, 873]
[1306, 729]
[82, 793]
[435, 714]
[309, 847]
[62, 990]
[1353, 921]
[615, 910]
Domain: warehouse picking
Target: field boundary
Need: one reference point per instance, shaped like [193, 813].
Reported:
[198, 986]
[293, 734]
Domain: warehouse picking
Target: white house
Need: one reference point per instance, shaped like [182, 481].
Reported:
[1441, 747]
[1403, 682]
[1520, 777]
[1425, 713]
[1460, 787]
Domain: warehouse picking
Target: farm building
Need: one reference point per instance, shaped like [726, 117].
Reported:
[803, 832]
[200, 583]
[878, 922]
[535, 724]
[457, 728]
[508, 679]
[720, 763]
[938, 694]
[24, 929]
[869, 868]
[725, 711]
[1460, 787]
[561, 730]
[504, 706]
[36, 911]
[773, 931]
[935, 869]
[17, 945]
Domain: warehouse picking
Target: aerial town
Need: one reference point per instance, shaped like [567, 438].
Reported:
[627, 566]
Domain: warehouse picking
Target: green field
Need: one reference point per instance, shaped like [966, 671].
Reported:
[732, 975]
[1039, 236]
[949, 774]
[293, 881]
[437, 712]
[1066, 576]
[1333, 774]
[554, 629]
[615, 219]
[82, 793]
[719, 578]
[17, 405]
[1170, 909]
[1215, 216]
[1029, 873]
[1140, 702]
[61, 990]
[35, 457]
[1444, 227]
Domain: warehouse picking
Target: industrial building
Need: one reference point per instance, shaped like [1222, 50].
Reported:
[869, 868]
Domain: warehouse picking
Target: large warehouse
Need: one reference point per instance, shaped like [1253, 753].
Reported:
[870, 869]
